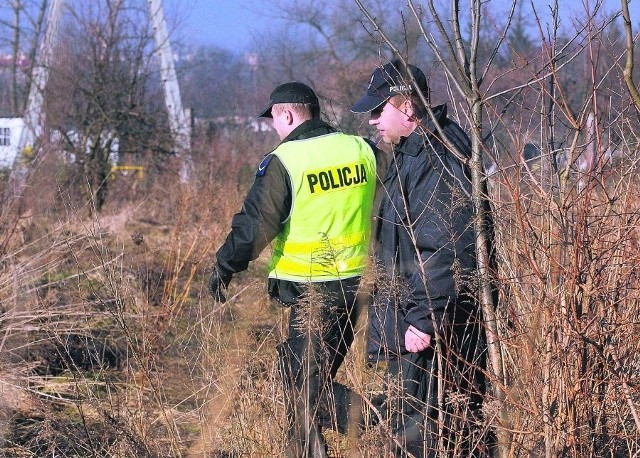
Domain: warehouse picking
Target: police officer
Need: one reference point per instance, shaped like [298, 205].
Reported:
[312, 197]
[424, 321]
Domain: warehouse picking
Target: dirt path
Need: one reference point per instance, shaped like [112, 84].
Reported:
[238, 343]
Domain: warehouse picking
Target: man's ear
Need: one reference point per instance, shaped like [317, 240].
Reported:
[407, 108]
[288, 116]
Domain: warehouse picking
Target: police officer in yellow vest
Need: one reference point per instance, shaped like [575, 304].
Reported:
[311, 202]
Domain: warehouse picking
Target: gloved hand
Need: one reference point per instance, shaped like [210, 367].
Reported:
[219, 281]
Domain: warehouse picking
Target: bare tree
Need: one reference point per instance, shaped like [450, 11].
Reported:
[16, 52]
[331, 39]
[568, 102]
[628, 70]
[461, 66]
[103, 97]
[25, 29]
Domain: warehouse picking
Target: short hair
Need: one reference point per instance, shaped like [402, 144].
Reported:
[303, 110]
[419, 108]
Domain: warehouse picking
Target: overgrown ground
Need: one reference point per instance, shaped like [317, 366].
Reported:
[110, 345]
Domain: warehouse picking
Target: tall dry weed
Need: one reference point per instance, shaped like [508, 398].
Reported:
[110, 345]
[570, 295]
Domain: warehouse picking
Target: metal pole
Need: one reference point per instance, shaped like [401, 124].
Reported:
[177, 118]
[33, 116]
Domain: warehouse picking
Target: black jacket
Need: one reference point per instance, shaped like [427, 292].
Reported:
[425, 238]
[264, 212]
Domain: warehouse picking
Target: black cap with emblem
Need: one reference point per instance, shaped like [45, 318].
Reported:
[389, 80]
[293, 92]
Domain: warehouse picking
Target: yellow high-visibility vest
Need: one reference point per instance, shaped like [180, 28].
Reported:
[326, 236]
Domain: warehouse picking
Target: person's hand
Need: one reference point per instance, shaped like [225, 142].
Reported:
[416, 340]
[217, 283]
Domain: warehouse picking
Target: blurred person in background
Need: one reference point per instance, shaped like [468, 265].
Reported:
[311, 202]
[424, 319]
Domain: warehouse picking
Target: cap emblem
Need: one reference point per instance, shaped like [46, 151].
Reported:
[401, 88]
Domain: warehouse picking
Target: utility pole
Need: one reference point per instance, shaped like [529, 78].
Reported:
[33, 116]
[180, 127]
[33, 113]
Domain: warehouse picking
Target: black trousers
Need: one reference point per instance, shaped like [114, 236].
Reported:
[434, 398]
[320, 331]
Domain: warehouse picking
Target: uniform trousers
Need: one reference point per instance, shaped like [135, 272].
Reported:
[320, 331]
[433, 398]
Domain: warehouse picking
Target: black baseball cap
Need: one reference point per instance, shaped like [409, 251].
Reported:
[293, 92]
[389, 80]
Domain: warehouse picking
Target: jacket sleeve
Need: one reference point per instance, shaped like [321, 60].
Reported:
[442, 213]
[264, 211]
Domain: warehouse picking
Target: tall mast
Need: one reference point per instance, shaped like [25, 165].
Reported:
[33, 116]
[177, 118]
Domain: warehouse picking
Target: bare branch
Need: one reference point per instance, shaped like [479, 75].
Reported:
[628, 69]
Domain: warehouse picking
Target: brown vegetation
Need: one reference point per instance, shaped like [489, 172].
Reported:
[110, 345]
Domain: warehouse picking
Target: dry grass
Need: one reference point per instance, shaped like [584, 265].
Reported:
[110, 345]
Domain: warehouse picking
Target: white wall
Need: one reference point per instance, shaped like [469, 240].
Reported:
[8, 153]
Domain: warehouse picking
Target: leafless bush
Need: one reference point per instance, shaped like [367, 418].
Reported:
[111, 347]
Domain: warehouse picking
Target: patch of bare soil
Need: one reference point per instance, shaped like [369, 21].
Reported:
[253, 329]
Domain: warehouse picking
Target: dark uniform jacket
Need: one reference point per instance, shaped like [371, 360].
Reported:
[263, 215]
[425, 238]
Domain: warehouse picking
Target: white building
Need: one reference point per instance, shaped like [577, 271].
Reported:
[10, 131]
